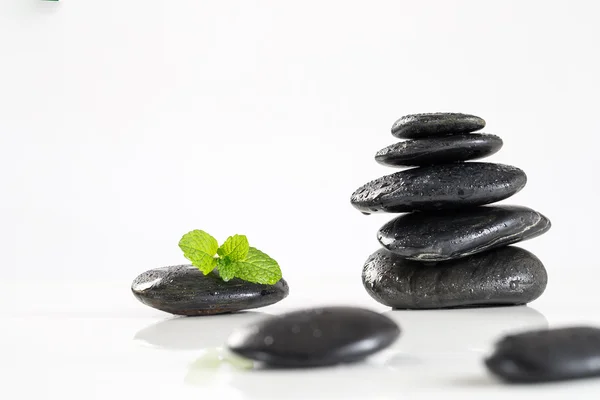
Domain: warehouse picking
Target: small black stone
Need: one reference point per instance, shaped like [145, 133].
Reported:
[417, 126]
[315, 337]
[447, 149]
[504, 276]
[185, 290]
[451, 234]
[438, 187]
[547, 355]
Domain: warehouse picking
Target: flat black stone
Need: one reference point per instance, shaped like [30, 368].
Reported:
[417, 126]
[438, 187]
[315, 337]
[447, 149]
[185, 290]
[503, 276]
[547, 355]
[452, 234]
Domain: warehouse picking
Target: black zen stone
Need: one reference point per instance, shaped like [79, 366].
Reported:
[438, 187]
[315, 337]
[185, 290]
[418, 126]
[503, 276]
[451, 234]
[547, 355]
[443, 150]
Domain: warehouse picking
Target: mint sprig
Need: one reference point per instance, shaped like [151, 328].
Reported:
[235, 248]
[233, 259]
[200, 248]
[257, 266]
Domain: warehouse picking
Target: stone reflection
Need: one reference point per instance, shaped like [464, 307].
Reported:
[182, 333]
[457, 333]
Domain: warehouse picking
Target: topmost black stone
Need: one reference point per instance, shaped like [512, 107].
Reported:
[417, 126]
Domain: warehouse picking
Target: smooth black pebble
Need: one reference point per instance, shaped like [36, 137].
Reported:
[315, 337]
[447, 149]
[547, 355]
[438, 187]
[452, 234]
[504, 276]
[418, 126]
[185, 290]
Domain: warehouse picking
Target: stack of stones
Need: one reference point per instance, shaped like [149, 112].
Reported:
[448, 249]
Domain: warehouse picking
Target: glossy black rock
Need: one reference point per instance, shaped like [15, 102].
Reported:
[452, 234]
[315, 337]
[417, 126]
[185, 290]
[447, 149]
[438, 187]
[503, 276]
[547, 355]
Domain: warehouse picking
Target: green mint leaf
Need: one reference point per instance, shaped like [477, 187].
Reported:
[226, 269]
[200, 248]
[235, 248]
[258, 268]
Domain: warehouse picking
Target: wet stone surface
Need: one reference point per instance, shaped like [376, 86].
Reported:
[446, 235]
[185, 290]
[439, 187]
[315, 337]
[443, 150]
[418, 126]
[504, 276]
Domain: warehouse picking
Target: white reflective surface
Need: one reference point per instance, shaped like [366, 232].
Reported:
[98, 342]
[126, 123]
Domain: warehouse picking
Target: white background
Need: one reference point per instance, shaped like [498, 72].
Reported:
[126, 123]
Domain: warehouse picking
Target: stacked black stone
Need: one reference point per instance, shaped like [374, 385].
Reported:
[448, 249]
